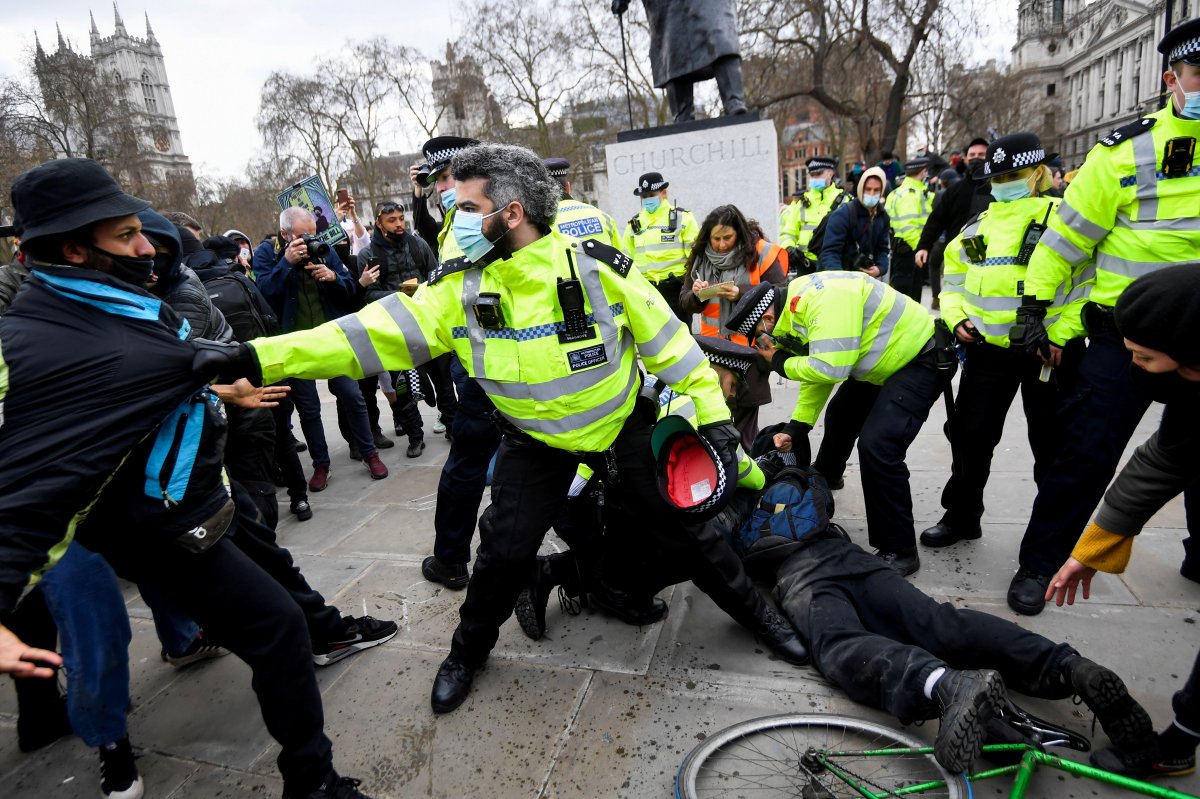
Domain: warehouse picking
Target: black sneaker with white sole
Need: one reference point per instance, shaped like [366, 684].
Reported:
[967, 700]
[361, 633]
[201, 648]
[119, 778]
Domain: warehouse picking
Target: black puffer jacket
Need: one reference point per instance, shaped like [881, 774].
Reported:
[398, 261]
[11, 277]
[179, 286]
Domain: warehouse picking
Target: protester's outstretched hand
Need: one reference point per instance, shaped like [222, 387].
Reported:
[1069, 578]
[245, 394]
[20, 660]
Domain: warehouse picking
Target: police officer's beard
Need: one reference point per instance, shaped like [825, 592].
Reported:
[498, 236]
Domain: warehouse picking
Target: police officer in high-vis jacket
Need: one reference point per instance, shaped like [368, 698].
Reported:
[659, 238]
[893, 362]
[576, 218]
[798, 221]
[908, 207]
[551, 329]
[984, 272]
[1133, 208]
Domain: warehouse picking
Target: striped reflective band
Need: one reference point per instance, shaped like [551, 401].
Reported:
[576, 421]
[531, 333]
[1145, 161]
[829, 370]
[1134, 269]
[879, 345]
[360, 344]
[844, 344]
[551, 390]
[1182, 224]
[1080, 224]
[1057, 243]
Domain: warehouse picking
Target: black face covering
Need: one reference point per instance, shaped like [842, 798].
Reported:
[1168, 388]
[132, 270]
[394, 237]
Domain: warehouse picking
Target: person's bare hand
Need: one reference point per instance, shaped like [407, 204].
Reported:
[351, 207]
[782, 442]
[699, 284]
[245, 394]
[765, 348]
[1070, 577]
[730, 293]
[1055, 356]
[21, 660]
[369, 277]
[967, 333]
[873, 271]
[321, 273]
[296, 251]
[920, 258]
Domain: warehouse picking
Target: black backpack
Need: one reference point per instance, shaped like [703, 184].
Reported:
[240, 308]
[818, 236]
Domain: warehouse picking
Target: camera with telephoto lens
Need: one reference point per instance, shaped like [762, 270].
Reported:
[317, 249]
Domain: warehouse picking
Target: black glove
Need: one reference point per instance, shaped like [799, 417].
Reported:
[778, 360]
[225, 362]
[1029, 332]
[800, 446]
[725, 439]
[619, 6]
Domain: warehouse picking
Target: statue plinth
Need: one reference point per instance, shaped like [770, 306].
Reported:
[708, 162]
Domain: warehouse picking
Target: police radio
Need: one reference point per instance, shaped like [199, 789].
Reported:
[1033, 234]
[570, 301]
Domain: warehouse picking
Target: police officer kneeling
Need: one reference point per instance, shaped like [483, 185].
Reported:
[550, 330]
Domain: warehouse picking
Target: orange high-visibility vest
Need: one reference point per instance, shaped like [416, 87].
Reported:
[768, 254]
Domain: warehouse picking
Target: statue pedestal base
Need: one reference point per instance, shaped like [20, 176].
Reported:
[708, 162]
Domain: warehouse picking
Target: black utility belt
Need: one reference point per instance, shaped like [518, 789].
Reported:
[1098, 319]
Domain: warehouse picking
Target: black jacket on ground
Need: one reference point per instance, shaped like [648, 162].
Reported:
[953, 208]
[94, 366]
[399, 261]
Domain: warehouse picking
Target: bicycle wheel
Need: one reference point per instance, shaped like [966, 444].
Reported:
[772, 757]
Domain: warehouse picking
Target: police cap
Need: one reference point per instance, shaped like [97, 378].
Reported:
[1182, 43]
[751, 307]
[729, 354]
[440, 149]
[557, 167]
[1010, 153]
[650, 183]
[820, 162]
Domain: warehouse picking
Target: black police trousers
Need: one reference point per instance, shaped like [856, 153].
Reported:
[473, 441]
[884, 420]
[529, 490]
[1096, 422]
[878, 638]
[243, 605]
[990, 379]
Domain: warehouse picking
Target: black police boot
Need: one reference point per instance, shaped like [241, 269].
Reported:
[629, 608]
[557, 569]
[780, 637]
[452, 575]
[966, 700]
[1027, 592]
[943, 534]
[904, 561]
[451, 685]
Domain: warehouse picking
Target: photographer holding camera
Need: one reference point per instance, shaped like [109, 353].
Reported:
[858, 234]
[307, 285]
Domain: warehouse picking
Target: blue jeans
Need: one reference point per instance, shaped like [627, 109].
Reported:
[83, 598]
[308, 406]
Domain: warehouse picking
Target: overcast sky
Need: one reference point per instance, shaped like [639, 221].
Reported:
[219, 52]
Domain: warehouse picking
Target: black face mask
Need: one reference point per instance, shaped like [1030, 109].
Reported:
[394, 237]
[1168, 388]
[132, 270]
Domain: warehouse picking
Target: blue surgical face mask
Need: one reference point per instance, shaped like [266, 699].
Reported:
[651, 204]
[448, 197]
[871, 200]
[468, 232]
[818, 184]
[1191, 105]
[1013, 190]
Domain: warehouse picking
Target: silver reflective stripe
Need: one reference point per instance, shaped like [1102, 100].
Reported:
[828, 369]
[414, 337]
[589, 275]
[578, 421]
[1069, 252]
[745, 465]
[844, 344]
[1134, 269]
[360, 343]
[1079, 223]
[994, 329]
[1186, 223]
[956, 279]
[666, 245]
[886, 328]
[683, 367]
[470, 293]
[557, 388]
[1145, 159]
[652, 348]
[993, 303]
[874, 300]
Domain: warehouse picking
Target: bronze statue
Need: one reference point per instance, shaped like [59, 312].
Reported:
[693, 40]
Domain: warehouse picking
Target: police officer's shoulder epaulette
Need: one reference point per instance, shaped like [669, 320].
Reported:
[619, 261]
[448, 268]
[1128, 131]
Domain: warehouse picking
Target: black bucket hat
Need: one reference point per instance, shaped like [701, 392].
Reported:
[1010, 153]
[68, 193]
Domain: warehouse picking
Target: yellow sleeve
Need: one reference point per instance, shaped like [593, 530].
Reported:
[954, 282]
[1103, 550]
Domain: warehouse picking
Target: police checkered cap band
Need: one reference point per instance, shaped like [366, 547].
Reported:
[729, 362]
[1186, 49]
[648, 186]
[746, 328]
[561, 172]
[1028, 158]
[443, 155]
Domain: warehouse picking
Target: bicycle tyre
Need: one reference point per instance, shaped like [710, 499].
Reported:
[776, 742]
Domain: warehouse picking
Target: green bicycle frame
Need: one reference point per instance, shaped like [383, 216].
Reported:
[1031, 759]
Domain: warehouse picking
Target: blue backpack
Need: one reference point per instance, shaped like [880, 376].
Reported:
[794, 507]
